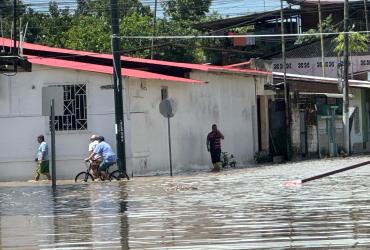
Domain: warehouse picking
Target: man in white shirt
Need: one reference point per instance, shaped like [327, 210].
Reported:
[95, 162]
[93, 142]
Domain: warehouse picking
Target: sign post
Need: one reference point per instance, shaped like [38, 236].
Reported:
[52, 105]
[52, 132]
[168, 108]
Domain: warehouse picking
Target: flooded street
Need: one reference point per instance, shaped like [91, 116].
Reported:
[247, 208]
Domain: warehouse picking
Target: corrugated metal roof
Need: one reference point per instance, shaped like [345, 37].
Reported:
[200, 67]
[52, 62]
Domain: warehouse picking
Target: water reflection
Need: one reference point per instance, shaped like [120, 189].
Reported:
[239, 209]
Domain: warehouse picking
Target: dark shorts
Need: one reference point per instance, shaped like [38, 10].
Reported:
[215, 155]
[105, 165]
[43, 167]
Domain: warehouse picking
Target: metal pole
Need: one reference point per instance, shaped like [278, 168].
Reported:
[52, 132]
[169, 144]
[322, 41]
[286, 86]
[15, 28]
[366, 20]
[346, 134]
[154, 27]
[117, 86]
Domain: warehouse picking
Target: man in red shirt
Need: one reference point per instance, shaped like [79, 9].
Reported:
[214, 147]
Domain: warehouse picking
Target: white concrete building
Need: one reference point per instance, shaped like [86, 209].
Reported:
[204, 95]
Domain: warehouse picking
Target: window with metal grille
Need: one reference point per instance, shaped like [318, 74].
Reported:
[75, 117]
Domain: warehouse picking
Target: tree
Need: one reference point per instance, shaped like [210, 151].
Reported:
[136, 25]
[181, 50]
[89, 33]
[357, 43]
[52, 27]
[102, 8]
[6, 14]
[6, 8]
[327, 26]
[83, 7]
[193, 10]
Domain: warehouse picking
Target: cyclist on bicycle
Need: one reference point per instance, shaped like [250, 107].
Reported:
[108, 157]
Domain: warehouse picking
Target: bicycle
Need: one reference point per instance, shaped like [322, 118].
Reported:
[86, 176]
[228, 160]
[118, 175]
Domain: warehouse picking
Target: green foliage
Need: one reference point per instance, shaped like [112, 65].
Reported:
[48, 29]
[356, 43]
[6, 8]
[102, 8]
[193, 10]
[89, 33]
[185, 50]
[136, 25]
[327, 26]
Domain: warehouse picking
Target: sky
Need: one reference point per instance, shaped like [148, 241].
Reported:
[224, 7]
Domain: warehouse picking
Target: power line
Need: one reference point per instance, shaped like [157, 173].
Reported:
[241, 36]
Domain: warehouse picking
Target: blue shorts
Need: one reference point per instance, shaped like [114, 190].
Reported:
[105, 165]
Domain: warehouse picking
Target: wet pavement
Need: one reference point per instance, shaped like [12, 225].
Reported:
[247, 208]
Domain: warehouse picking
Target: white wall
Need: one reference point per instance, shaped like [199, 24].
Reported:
[227, 100]
[21, 121]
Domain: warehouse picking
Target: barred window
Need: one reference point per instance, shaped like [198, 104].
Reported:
[75, 117]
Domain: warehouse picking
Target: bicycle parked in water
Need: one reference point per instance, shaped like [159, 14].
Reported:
[228, 160]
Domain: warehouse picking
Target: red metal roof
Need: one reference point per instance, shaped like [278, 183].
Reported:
[106, 69]
[200, 67]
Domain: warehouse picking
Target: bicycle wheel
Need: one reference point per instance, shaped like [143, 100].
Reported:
[84, 177]
[115, 175]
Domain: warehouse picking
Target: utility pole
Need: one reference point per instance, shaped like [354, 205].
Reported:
[117, 86]
[346, 134]
[286, 86]
[15, 27]
[322, 41]
[154, 28]
[366, 21]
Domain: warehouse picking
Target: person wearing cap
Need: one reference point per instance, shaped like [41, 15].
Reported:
[42, 159]
[93, 142]
[95, 162]
[108, 157]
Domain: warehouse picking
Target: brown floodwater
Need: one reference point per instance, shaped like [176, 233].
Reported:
[236, 209]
